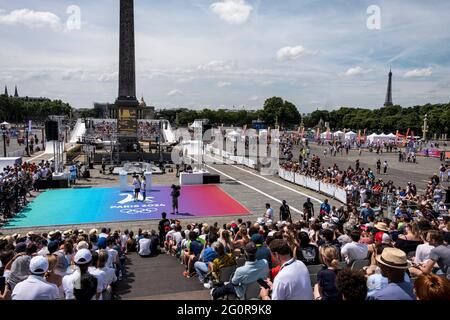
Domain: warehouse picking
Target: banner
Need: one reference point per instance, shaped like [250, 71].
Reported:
[341, 195]
[289, 176]
[312, 184]
[328, 189]
[281, 173]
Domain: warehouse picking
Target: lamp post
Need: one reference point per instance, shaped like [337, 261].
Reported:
[4, 127]
[425, 128]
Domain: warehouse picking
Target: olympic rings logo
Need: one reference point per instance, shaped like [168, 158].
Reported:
[139, 210]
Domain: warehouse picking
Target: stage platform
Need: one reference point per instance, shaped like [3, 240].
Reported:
[95, 205]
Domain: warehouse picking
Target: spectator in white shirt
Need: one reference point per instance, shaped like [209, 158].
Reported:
[269, 212]
[82, 260]
[423, 251]
[292, 281]
[144, 245]
[35, 287]
[354, 250]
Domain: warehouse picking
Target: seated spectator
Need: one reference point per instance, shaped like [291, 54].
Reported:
[87, 288]
[262, 251]
[432, 287]
[194, 248]
[252, 271]
[82, 260]
[354, 250]
[144, 245]
[208, 255]
[423, 250]
[131, 243]
[223, 260]
[306, 252]
[35, 286]
[292, 281]
[439, 255]
[393, 264]
[326, 289]
[410, 240]
[351, 284]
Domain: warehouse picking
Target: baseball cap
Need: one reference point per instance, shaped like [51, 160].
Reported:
[257, 239]
[83, 256]
[21, 247]
[38, 265]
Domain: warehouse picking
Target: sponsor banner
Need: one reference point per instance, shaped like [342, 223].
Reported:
[312, 184]
[341, 195]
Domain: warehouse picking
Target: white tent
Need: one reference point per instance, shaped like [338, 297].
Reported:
[392, 136]
[338, 133]
[372, 137]
[350, 135]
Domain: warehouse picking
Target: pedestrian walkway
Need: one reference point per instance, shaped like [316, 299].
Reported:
[158, 278]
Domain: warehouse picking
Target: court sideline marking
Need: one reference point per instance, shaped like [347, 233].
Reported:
[274, 182]
[253, 188]
[250, 187]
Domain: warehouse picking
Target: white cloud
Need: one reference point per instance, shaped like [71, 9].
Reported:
[232, 11]
[216, 66]
[356, 71]
[78, 75]
[174, 93]
[108, 77]
[31, 19]
[418, 73]
[222, 84]
[253, 98]
[292, 53]
[185, 79]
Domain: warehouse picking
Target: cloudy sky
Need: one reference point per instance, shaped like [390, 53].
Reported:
[224, 53]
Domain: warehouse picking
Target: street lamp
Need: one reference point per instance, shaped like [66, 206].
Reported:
[5, 126]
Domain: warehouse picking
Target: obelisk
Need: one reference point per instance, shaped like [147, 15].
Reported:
[126, 103]
[388, 100]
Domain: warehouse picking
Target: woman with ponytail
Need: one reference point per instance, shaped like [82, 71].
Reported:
[326, 289]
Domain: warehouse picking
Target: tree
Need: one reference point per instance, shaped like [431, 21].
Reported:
[285, 111]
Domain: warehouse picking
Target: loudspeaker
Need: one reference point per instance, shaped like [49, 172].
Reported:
[51, 130]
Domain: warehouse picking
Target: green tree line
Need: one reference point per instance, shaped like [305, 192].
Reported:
[14, 110]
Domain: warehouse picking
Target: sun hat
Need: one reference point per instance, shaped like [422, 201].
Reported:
[83, 256]
[260, 221]
[93, 231]
[38, 265]
[393, 258]
[381, 226]
[30, 234]
[67, 232]
[82, 245]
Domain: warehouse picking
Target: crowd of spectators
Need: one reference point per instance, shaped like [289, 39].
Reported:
[17, 182]
[353, 257]
[148, 130]
[73, 264]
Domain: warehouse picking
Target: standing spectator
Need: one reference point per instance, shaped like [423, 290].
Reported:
[308, 209]
[292, 281]
[269, 213]
[285, 212]
[385, 166]
[137, 188]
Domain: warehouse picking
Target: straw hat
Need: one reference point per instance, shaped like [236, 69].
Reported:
[381, 226]
[93, 231]
[31, 233]
[393, 258]
[67, 232]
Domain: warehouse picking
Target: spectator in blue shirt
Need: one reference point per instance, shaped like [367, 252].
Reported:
[262, 252]
[367, 212]
[393, 264]
[207, 256]
[325, 208]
